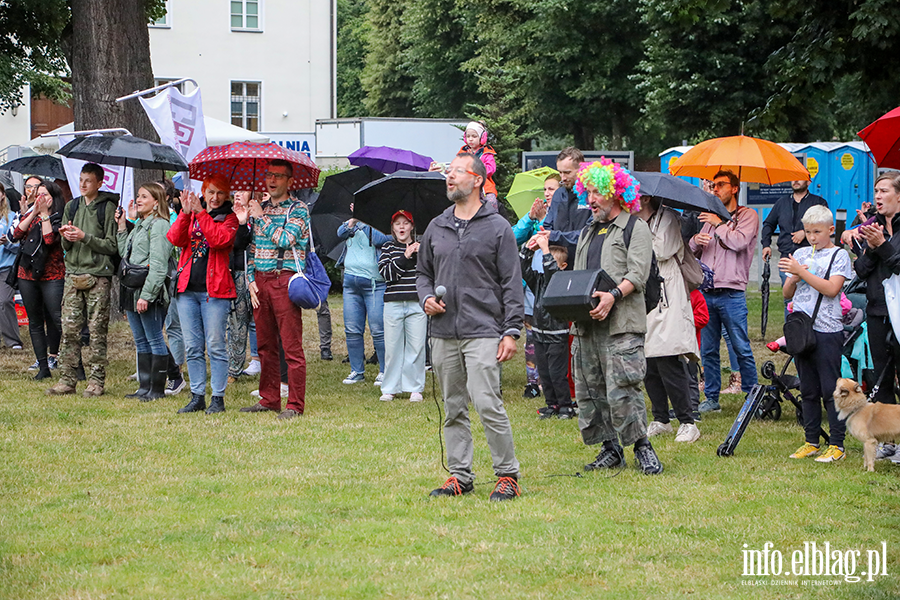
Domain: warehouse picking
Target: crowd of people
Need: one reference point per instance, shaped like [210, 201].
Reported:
[200, 275]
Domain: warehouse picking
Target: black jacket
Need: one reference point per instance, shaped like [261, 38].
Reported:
[875, 265]
[565, 219]
[480, 271]
[546, 329]
[784, 218]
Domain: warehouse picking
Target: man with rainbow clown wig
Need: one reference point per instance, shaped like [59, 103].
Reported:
[608, 350]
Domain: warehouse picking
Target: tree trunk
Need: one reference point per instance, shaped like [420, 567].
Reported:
[584, 136]
[109, 53]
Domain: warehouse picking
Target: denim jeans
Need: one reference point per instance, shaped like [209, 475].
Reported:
[727, 309]
[173, 333]
[147, 328]
[363, 297]
[203, 323]
[405, 325]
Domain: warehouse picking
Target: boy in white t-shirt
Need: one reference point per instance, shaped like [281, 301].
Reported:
[820, 369]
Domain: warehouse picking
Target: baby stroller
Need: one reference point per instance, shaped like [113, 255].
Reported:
[783, 385]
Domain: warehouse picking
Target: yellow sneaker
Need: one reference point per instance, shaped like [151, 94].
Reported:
[832, 454]
[805, 451]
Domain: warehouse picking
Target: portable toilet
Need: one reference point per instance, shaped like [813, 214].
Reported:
[667, 157]
[818, 163]
[852, 177]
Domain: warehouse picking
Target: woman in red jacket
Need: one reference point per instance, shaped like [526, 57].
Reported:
[205, 288]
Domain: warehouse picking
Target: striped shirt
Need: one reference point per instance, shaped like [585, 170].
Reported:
[399, 272]
[276, 231]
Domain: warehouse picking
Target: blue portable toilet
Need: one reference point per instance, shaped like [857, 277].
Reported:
[852, 177]
[818, 163]
[667, 157]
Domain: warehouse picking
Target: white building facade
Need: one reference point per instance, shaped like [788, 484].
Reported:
[265, 65]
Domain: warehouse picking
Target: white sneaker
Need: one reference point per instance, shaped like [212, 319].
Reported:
[253, 368]
[415, 397]
[657, 428]
[688, 432]
[284, 391]
[885, 450]
[379, 379]
[386, 397]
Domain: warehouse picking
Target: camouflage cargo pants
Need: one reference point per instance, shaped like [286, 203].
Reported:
[80, 307]
[608, 371]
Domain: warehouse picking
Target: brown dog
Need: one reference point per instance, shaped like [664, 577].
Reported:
[868, 422]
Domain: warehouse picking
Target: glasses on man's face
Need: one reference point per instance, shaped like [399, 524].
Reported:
[31, 187]
[278, 176]
[462, 171]
[721, 184]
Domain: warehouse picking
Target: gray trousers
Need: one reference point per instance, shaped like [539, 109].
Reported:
[468, 371]
[174, 334]
[9, 323]
[323, 316]
[608, 371]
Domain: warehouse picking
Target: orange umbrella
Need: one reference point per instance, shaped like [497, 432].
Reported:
[751, 159]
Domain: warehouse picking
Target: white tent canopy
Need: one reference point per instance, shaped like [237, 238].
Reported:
[218, 133]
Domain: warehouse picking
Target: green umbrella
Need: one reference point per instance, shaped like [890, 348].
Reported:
[526, 187]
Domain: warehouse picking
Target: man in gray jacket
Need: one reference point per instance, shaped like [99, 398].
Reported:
[470, 251]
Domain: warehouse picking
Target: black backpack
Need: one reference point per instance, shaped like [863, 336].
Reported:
[101, 216]
[653, 287]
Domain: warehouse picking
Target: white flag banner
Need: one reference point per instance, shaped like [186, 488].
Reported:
[178, 119]
[116, 180]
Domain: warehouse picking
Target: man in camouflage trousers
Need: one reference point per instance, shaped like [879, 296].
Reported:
[608, 362]
[89, 239]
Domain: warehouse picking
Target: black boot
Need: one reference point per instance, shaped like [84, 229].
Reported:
[158, 377]
[197, 403]
[43, 370]
[216, 405]
[143, 372]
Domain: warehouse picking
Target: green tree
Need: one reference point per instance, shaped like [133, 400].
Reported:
[352, 39]
[385, 78]
[435, 50]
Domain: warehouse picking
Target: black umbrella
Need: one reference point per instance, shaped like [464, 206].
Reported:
[44, 165]
[678, 193]
[423, 194]
[124, 150]
[764, 291]
[332, 207]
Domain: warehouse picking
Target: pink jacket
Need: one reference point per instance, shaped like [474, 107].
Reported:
[731, 250]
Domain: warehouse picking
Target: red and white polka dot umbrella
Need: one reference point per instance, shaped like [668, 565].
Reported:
[245, 164]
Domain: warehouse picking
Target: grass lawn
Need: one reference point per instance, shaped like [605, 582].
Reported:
[113, 498]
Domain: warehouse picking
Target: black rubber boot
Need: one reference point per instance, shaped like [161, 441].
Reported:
[43, 370]
[158, 376]
[197, 403]
[143, 371]
[216, 405]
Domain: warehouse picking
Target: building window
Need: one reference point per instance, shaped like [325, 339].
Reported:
[245, 104]
[165, 20]
[245, 15]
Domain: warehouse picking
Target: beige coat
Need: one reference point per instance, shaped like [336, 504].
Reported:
[670, 326]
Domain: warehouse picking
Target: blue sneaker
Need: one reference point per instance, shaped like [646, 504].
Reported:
[355, 377]
[710, 406]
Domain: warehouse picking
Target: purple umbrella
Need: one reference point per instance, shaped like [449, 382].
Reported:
[389, 160]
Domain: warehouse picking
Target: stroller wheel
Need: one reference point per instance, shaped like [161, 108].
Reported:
[768, 370]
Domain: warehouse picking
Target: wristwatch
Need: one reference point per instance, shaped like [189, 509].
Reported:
[616, 294]
[45, 218]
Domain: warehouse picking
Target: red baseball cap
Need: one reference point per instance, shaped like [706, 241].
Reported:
[402, 213]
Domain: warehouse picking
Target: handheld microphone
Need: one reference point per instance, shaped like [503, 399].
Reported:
[439, 292]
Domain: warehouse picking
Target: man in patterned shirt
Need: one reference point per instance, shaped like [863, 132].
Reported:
[280, 229]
